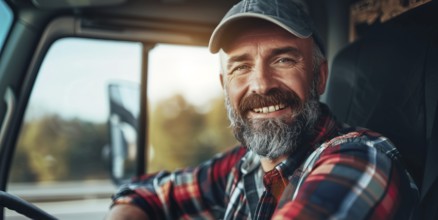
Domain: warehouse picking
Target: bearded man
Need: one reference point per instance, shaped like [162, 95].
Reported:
[296, 161]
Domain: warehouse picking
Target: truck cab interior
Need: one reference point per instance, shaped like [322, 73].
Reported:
[382, 54]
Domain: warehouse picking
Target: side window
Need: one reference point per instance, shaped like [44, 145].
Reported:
[61, 159]
[6, 17]
[187, 117]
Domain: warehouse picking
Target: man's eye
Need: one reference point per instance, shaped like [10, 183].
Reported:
[240, 69]
[288, 61]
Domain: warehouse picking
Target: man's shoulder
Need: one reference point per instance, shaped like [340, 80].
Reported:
[229, 158]
[361, 139]
[358, 145]
[235, 152]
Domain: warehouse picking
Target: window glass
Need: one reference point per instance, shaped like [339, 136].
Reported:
[61, 159]
[5, 22]
[187, 117]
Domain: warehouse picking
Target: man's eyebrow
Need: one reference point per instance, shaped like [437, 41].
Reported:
[286, 50]
[274, 52]
[238, 58]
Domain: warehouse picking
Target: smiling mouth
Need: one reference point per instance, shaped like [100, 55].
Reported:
[269, 109]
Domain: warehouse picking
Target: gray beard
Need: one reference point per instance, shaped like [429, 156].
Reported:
[275, 137]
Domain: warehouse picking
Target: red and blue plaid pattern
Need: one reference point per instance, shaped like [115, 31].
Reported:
[341, 173]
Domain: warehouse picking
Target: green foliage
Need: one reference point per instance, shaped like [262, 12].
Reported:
[219, 132]
[181, 136]
[54, 149]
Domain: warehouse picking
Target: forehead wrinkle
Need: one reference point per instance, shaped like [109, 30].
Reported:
[286, 50]
[249, 40]
[250, 53]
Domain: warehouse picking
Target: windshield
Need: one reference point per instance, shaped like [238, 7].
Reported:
[5, 22]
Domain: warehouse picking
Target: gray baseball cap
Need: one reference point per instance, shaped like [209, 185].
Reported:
[288, 14]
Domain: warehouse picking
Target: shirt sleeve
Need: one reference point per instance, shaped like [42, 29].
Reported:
[356, 176]
[190, 193]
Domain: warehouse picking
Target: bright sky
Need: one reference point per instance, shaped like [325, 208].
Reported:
[191, 71]
[74, 76]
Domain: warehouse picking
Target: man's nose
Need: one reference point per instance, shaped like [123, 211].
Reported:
[262, 80]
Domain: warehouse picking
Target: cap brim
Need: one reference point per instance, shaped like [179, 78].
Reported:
[215, 39]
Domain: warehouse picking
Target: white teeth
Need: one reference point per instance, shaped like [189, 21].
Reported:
[269, 109]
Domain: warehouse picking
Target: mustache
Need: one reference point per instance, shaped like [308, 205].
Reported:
[273, 97]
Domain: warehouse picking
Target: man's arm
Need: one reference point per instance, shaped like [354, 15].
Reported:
[188, 193]
[126, 212]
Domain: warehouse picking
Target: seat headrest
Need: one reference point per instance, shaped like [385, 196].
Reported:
[378, 82]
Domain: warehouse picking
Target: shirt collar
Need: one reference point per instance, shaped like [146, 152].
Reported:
[250, 162]
[325, 129]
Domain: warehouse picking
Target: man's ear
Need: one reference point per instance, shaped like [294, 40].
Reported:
[323, 76]
[221, 76]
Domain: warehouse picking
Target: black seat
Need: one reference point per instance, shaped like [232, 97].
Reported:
[387, 81]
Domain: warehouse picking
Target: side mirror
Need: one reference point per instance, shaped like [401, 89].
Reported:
[123, 130]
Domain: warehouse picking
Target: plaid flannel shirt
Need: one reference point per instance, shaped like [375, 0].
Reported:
[341, 173]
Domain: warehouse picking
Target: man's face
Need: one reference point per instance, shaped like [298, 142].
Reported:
[271, 89]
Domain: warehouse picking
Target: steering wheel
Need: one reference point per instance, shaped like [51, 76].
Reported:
[23, 207]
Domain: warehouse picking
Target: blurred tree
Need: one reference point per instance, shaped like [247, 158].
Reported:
[51, 148]
[84, 153]
[174, 124]
[21, 168]
[181, 136]
[41, 141]
[218, 132]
